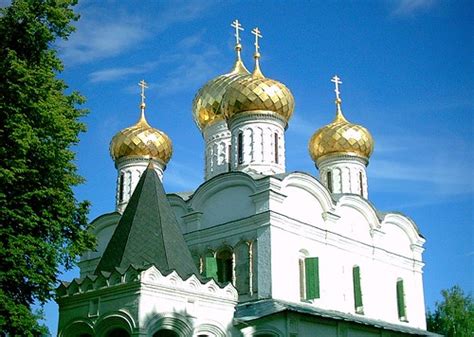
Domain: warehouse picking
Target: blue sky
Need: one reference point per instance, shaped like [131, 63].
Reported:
[407, 75]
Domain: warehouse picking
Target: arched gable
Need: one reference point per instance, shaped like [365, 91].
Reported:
[400, 234]
[179, 207]
[224, 198]
[358, 218]
[311, 185]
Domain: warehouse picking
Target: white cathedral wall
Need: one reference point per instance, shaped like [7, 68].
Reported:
[216, 156]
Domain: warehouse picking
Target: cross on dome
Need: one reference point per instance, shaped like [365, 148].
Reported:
[143, 85]
[336, 80]
[238, 27]
[257, 34]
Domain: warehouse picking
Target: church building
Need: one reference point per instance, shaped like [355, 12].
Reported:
[254, 250]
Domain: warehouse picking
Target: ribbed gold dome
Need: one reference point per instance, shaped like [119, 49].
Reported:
[341, 137]
[256, 93]
[206, 103]
[141, 140]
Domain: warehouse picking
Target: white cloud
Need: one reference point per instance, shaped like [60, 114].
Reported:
[104, 32]
[112, 74]
[97, 40]
[411, 7]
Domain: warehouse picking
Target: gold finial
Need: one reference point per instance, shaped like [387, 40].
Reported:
[336, 80]
[143, 85]
[257, 72]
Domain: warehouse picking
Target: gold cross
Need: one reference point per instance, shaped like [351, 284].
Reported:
[257, 34]
[236, 24]
[143, 85]
[336, 80]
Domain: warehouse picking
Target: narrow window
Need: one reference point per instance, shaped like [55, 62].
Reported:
[224, 261]
[329, 180]
[312, 277]
[359, 308]
[210, 269]
[228, 157]
[240, 148]
[361, 183]
[302, 279]
[309, 278]
[276, 148]
[401, 301]
[121, 183]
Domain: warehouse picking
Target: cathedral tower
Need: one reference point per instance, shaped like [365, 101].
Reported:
[209, 118]
[341, 151]
[257, 110]
[132, 149]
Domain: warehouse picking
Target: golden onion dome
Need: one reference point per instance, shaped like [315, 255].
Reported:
[206, 103]
[141, 140]
[255, 93]
[341, 138]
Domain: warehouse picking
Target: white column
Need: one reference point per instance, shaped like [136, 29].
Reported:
[344, 174]
[129, 171]
[216, 156]
[258, 144]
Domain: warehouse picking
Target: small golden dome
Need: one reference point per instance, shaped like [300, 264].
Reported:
[256, 93]
[141, 140]
[206, 103]
[341, 137]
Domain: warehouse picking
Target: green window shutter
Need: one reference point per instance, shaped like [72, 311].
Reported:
[312, 277]
[401, 300]
[211, 267]
[357, 290]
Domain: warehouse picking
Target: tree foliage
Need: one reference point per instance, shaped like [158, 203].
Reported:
[454, 316]
[42, 225]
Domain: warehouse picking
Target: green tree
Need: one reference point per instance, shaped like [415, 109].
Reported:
[42, 225]
[454, 316]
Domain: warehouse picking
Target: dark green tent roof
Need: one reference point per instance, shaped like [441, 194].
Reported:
[148, 233]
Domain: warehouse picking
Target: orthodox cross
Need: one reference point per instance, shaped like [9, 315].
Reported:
[257, 34]
[143, 85]
[236, 24]
[336, 80]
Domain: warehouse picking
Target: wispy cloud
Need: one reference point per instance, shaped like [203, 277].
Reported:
[411, 7]
[181, 177]
[98, 36]
[97, 40]
[112, 74]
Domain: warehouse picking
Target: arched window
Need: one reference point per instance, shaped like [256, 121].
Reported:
[121, 187]
[358, 305]
[329, 180]
[402, 315]
[240, 149]
[361, 183]
[276, 147]
[118, 332]
[224, 259]
[165, 333]
[309, 278]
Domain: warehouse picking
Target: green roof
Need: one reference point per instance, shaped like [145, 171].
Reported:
[148, 233]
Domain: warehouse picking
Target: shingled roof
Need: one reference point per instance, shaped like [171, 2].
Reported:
[148, 233]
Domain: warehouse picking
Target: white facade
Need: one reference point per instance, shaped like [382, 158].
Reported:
[258, 143]
[217, 149]
[344, 174]
[269, 223]
[129, 171]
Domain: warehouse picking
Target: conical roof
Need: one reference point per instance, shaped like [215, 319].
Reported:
[148, 233]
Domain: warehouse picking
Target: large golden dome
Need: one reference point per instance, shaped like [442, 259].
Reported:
[141, 140]
[257, 94]
[206, 103]
[341, 137]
